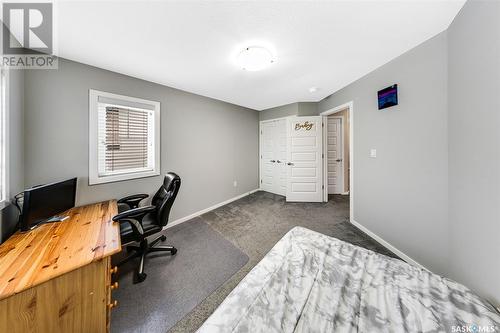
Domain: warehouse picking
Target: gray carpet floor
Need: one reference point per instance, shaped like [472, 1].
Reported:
[253, 224]
[175, 284]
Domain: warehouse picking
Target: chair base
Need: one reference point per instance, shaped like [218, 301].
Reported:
[142, 250]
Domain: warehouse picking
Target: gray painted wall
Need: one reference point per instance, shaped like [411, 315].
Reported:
[279, 112]
[307, 109]
[474, 146]
[209, 143]
[294, 109]
[402, 194]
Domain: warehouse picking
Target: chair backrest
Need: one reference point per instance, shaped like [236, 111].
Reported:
[164, 198]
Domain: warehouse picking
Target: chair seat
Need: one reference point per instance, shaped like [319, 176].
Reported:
[149, 225]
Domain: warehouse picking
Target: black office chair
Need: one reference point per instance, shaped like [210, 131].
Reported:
[137, 223]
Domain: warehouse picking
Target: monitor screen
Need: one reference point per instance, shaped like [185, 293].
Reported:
[43, 202]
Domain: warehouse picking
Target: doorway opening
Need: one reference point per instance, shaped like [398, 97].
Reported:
[337, 153]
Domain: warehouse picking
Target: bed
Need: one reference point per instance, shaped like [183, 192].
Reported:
[310, 282]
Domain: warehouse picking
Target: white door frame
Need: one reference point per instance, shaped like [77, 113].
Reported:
[260, 145]
[350, 107]
[325, 152]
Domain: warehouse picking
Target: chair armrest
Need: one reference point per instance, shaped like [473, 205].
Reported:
[133, 200]
[136, 213]
[136, 226]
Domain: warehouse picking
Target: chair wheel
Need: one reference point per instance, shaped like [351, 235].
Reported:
[174, 251]
[163, 238]
[141, 277]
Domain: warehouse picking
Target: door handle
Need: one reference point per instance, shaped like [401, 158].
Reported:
[272, 161]
[289, 163]
[338, 160]
[278, 161]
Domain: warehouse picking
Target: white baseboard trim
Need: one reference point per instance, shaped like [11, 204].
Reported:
[388, 245]
[206, 210]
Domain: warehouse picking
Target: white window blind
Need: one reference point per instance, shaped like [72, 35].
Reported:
[126, 139]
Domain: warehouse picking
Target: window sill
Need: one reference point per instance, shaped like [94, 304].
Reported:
[96, 180]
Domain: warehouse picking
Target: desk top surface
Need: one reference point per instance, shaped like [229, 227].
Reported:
[30, 258]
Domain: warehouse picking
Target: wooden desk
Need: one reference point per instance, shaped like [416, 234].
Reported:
[57, 277]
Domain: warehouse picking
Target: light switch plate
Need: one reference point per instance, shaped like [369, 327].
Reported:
[373, 153]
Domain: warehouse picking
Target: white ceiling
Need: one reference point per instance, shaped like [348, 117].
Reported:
[189, 44]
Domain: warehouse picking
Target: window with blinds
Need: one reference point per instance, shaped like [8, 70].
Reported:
[126, 139]
[126, 131]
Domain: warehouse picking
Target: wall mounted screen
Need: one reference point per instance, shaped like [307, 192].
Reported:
[388, 97]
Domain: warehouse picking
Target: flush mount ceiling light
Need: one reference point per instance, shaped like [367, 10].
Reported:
[313, 89]
[254, 58]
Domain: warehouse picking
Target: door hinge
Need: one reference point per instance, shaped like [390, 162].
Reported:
[322, 124]
[260, 132]
[322, 155]
[322, 187]
[261, 181]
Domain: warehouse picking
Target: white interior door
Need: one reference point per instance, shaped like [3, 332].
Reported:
[267, 144]
[304, 159]
[280, 153]
[334, 155]
[273, 156]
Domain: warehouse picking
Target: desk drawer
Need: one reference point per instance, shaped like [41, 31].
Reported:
[73, 302]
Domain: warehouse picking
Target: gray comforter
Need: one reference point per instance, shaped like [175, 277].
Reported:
[310, 282]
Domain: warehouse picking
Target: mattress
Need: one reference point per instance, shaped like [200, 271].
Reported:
[310, 282]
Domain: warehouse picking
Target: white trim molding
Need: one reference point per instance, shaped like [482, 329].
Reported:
[388, 245]
[350, 106]
[206, 210]
[97, 98]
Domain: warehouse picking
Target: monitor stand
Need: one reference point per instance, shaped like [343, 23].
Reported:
[57, 218]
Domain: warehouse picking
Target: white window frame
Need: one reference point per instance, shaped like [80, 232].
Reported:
[4, 140]
[94, 177]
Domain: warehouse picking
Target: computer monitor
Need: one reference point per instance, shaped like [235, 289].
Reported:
[43, 202]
